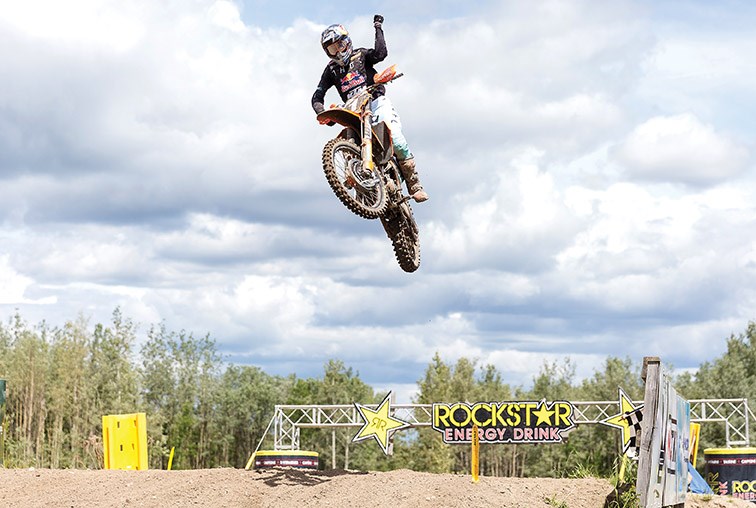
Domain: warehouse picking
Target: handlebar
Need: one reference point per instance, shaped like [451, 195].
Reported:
[369, 90]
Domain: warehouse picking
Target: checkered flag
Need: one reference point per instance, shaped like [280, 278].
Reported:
[628, 420]
[632, 447]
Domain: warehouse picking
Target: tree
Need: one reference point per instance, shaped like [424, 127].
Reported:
[27, 405]
[596, 447]
[245, 402]
[429, 453]
[179, 375]
[69, 395]
[732, 375]
[339, 385]
[111, 367]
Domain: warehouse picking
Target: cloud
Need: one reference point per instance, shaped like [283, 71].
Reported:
[552, 81]
[163, 157]
[226, 14]
[680, 149]
[511, 219]
[182, 115]
[14, 286]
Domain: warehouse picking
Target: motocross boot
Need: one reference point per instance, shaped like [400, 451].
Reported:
[414, 187]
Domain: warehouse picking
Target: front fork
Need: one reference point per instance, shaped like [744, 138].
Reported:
[367, 138]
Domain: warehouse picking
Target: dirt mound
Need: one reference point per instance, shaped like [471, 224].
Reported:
[233, 488]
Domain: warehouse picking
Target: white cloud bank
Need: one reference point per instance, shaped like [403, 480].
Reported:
[163, 157]
[681, 149]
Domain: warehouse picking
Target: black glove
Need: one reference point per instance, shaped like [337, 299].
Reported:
[377, 21]
[318, 107]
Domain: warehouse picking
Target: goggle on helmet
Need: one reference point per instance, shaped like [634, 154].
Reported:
[337, 44]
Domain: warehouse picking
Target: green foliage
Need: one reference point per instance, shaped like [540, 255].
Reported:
[582, 471]
[245, 402]
[732, 375]
[339, 385]
[556, 503]
[624, 477]
[179, 378]
[624, 496]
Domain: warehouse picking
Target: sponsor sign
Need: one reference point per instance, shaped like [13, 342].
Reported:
[732, 472]
[379, 424]
[504, 422]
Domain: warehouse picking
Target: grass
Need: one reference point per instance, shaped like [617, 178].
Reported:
[583, 471]
[624, 494]
[556, 503]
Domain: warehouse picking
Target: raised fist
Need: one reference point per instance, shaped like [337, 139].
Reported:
[377, 20]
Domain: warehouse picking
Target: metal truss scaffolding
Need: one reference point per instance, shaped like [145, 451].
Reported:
[289, 420]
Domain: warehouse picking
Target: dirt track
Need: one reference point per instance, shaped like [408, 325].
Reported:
[233, 488]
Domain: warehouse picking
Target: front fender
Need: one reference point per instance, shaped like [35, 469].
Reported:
[351, 120]
[343, 117]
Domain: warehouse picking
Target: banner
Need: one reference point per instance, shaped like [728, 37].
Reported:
[504, 422]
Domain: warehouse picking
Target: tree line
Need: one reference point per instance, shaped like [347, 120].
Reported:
[62, 380]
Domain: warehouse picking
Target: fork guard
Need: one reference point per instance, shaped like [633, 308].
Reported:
[351, 120]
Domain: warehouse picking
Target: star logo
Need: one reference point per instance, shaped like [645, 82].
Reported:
[627, 420]
[544, 414]
[378, 423]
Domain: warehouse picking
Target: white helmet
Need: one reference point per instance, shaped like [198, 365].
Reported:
[337, 44]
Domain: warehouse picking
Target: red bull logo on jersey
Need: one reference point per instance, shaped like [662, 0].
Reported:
[352, 80]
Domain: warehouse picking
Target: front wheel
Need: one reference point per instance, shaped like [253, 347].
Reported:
[401, 228]
[362, 191]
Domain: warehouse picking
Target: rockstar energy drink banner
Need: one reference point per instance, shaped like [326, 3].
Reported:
[504, 422]
[732, 472]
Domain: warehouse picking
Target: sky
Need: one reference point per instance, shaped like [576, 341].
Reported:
[590, 167]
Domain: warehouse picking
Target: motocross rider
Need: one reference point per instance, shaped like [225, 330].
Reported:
[350, 70]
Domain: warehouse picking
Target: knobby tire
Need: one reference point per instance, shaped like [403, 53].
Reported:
[367, 205]
[404, 238]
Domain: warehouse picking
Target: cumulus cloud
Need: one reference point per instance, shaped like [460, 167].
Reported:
[662, 256]
[553, 81]
[513, 218]
[164, 158]
[185, 107]
[681, 149]
[14, 286]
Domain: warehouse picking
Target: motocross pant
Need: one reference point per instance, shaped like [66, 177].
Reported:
[383, 111]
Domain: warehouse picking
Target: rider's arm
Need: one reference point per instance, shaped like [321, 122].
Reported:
[326, 82]
[379, 52]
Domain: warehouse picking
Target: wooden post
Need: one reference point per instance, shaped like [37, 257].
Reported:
[333, 449]
[475, 455]
[651, 376]
[346, 453]
[2, 422]
[390, 445]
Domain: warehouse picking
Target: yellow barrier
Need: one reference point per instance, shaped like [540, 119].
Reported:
[695, 434]
[124, 441]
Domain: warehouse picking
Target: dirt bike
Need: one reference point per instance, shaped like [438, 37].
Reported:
[363, 171]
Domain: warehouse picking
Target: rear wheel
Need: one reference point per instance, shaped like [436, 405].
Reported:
[401, 228]
[362, 191]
